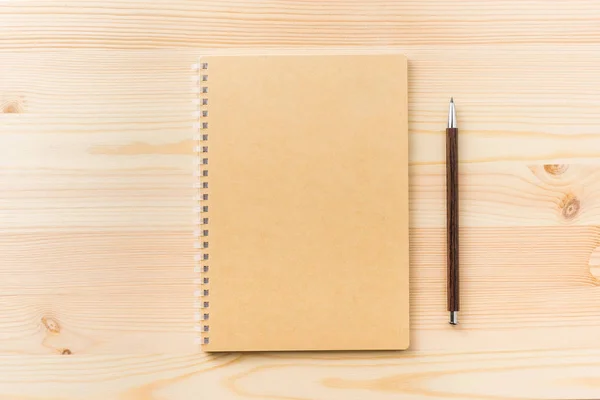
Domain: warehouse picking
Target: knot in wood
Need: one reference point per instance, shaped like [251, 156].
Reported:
[51, 324]
[556, 169]
[13, 106]
[570, 206]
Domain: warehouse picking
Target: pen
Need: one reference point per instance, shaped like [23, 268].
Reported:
[452, 214]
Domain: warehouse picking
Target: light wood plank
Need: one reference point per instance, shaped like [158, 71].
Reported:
[515, 281]
[408, 375]
[212, 23]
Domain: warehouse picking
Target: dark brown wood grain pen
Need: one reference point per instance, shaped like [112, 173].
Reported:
[452, 214]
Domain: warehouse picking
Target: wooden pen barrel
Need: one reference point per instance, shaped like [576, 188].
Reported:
[452, 217]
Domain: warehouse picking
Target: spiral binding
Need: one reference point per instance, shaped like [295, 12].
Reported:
[201, 232]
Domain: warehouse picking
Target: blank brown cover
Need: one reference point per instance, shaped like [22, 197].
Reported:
[307, 203]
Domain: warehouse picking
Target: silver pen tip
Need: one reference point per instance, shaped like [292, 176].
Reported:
[452, 114]
[453, 317]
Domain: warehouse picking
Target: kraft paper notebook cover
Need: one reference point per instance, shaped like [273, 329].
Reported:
[303, 203]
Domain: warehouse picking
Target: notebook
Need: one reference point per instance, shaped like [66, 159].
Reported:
[302, 229]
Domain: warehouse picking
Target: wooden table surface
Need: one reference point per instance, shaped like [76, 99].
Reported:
[96, 279]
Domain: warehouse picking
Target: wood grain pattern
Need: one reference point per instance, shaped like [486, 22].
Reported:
[96, 197]
[452, 225]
